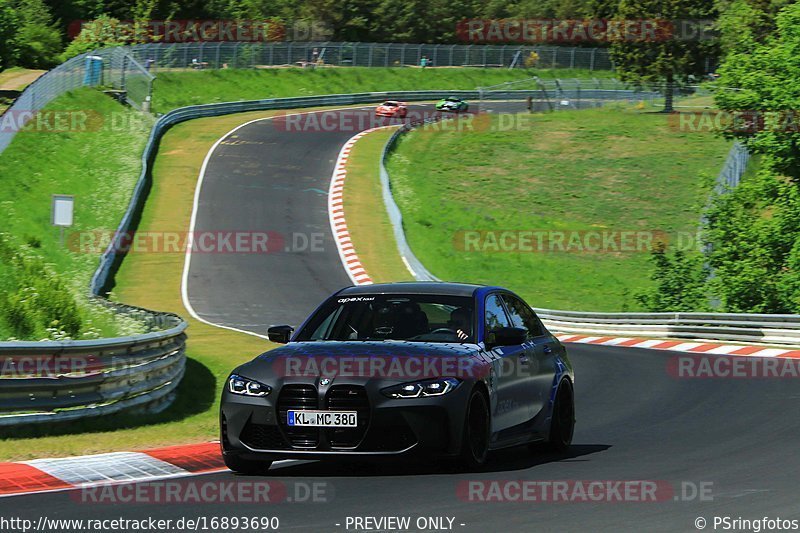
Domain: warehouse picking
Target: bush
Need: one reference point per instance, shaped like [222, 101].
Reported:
[680, 283]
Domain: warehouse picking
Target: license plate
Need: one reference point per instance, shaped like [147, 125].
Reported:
[328, 419]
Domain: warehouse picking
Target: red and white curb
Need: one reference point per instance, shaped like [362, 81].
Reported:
[49, 475]
[341, 235]
[683, 346]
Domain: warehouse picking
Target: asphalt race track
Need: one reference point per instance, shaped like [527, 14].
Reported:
[273, 176]
[735, 439]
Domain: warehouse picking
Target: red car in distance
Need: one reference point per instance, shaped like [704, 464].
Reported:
[392, 108]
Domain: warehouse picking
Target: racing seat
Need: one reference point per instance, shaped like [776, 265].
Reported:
[400, 320]
[461, 319]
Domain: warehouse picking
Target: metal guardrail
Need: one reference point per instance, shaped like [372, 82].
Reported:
[53, 381]
[738, 327]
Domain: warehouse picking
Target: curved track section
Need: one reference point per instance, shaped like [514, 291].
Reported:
[734, 438]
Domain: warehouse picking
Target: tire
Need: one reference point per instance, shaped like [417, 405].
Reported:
[245, 466]
[475, 439]
[562, 423]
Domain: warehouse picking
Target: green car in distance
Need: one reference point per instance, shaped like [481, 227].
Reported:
[452, 104]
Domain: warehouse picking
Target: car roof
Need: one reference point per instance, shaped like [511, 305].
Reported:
[415, 287]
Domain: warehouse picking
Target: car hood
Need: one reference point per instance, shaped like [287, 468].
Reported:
[398, 361]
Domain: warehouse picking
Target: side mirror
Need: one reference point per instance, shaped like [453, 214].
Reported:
[506, 337]
[280, 334]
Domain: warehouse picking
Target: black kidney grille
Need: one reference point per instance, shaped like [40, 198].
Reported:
[348, 398]
[297, 397]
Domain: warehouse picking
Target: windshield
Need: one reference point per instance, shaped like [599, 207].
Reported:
[408, 317]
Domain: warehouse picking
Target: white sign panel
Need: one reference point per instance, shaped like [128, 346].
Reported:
[62, 210]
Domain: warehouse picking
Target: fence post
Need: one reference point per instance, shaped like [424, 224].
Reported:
[572, 58]
[219, 46]
[591, 59]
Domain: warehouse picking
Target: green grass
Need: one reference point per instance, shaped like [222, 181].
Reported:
[606, 169]
[98, 165]
[367, 219]
[153, 280]
[178, 89]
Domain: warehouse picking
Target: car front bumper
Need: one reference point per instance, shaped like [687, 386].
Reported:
[254, 428]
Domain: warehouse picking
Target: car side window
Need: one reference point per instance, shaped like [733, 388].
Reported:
[495, 314]
[522, 316]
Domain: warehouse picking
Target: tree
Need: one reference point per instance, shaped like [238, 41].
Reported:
[754, 232]
[99, 33]
[671, 56]
[9, 51]
[767, 76]
[38, 38]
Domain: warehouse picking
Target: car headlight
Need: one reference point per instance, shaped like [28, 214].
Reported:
[247, 387]
[422, 389]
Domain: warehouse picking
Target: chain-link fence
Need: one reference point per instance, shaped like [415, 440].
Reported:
[112, 68]
[559, 94]
[253, 55]
[733, 170]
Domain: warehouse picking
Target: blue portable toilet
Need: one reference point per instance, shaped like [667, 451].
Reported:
[94, 71]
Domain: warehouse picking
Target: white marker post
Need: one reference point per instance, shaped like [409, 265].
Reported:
[61, 213]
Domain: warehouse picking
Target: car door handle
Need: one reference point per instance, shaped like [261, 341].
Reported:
[547, 350]
[524, 359]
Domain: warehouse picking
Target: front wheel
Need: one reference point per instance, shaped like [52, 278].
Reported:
[562, 423]
[246, 466]
[475, 440]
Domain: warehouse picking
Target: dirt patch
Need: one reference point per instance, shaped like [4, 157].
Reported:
[17, 80]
